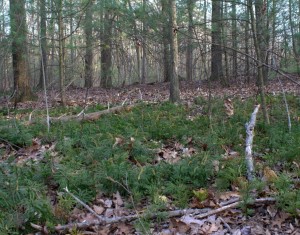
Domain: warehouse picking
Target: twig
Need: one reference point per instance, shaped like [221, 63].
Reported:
[249, 140]
[83, 204]
[233, 205]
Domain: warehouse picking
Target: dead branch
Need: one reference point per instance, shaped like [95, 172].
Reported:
[201, 213]
[89, 116]
[249, 140]
[234, 205]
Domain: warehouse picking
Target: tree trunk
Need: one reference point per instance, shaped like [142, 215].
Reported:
[216, 40]
[247, 42]
[234, 40]
[19, 51]
[61, 46]
[174, 81]
[166, 45]
[257, 34]
[189, 51]
[106, 53]
[88, 58]
[43, 42]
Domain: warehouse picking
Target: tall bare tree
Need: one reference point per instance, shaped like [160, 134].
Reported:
[189, 51]
[216, 40]
[43, 42]
[61, 47]
[106, 51]
[88, 31]
[173, 28]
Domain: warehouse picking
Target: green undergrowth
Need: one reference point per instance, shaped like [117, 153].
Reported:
[119, 153]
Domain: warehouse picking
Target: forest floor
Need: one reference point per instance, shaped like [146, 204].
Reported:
[162, 212]
[156, 92]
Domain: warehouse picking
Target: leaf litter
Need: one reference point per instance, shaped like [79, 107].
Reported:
[267, 219]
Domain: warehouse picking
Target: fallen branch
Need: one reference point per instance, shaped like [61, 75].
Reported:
[89, 116]
[200, 213]
[249, 140]
[105, 220]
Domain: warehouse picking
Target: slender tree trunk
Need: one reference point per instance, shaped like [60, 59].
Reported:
[43, 42]
[189, 51]
[255, 22]
[61, 46]
[19, 51]
[293, 37]
[174, 81]
[166, 45]
[88, 31]
[234, 40]
[224, 43]
[216, 40]
[106, 53]
[247, 43]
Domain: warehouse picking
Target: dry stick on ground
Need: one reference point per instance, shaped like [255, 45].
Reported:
[89, 116]
[249, 140]
[201, 213]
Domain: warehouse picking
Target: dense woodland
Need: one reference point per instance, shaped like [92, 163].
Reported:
[149, 117]
[115, 43]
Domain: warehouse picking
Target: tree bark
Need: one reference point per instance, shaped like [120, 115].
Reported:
[43, 42]
[88, 58]
[61, 46]
[174, 80]
[166, 45]
[189, 51]
[216, 40]
[106, 52]
[257, 34]
[234, 40]
[21, 74]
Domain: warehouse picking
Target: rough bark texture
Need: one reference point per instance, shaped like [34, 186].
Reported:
[216, 40]
[19, 51]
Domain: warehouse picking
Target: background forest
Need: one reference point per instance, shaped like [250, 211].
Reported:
[149, 117]
[116, 43]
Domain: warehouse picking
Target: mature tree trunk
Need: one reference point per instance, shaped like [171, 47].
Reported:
[216, 40]
[106, 52]
[189, 51]
[174, 81]
[256, 26]
[166, 45]
[19, 51]
[88, 31]
[61, 46]
[43, 42]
